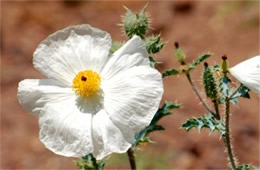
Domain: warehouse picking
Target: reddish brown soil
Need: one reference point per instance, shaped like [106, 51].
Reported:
[230, 28]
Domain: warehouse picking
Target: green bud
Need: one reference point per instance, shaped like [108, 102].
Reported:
[135, 23]
[153, 44]
[209, 83]
[179, 54]
[224, 64]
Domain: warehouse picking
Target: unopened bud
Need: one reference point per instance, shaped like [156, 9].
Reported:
[135, 23]
[179, 54]
[224, 64]
[209, 83]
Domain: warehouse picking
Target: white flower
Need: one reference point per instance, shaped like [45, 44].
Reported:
[248, 73]
[91, 103]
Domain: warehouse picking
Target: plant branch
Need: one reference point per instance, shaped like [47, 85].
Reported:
[198, 94]
[131, 158]
[227, 135]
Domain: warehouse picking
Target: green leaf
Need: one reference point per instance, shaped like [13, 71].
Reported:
[170, 72]
[198, 61]
[206, 121]
[244, 167]
[242, 92]
[164, 111]
[153, 44]
[153, 62]
[224, 86]
[142, 136]
[216, 68]
[88, 162]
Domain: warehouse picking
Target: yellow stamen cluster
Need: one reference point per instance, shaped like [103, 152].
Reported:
[86, 83]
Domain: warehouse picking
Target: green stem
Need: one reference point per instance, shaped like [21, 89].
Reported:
[227, 135]
[131, 158]
[198, 94]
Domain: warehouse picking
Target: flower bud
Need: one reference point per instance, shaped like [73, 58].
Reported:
[224, 64]
[209, 83]
[135, 23]
[179, 54]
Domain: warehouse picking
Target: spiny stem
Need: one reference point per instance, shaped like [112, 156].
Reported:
[131, 158]
[217, 115]
[227, 135]
[198, 94]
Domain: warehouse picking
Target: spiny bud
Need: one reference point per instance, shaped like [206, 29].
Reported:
[224, 64]
[135, 23]
[179, 54]
[209, 83]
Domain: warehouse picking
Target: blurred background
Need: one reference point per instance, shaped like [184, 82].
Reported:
[221, 27]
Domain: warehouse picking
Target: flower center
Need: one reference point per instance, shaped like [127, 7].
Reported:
[86, 83]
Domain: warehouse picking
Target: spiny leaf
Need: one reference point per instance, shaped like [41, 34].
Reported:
[153, 62]
[198, 61]
[244, 167]
[153, 44]
[224, 86]
[216, 68]
[89, 162]
[242, 92]
[206, 121]
[170, 72]
[142, 136]
[164, 111]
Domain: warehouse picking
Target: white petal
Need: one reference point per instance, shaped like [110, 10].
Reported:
[134, 45]
[65, 127]
[66, 52]
[65, 130]
[132, 98]
[34, 94]
[248, 73]
[107, 138]
[133, 53]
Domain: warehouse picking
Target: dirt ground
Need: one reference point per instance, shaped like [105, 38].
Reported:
[221, 27]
